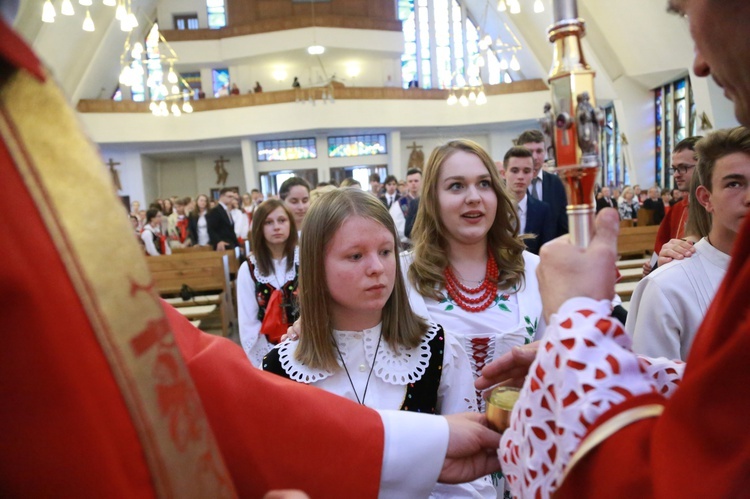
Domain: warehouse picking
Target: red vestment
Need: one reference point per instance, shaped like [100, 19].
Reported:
[700, 445]
[673, 225]
[103, 393]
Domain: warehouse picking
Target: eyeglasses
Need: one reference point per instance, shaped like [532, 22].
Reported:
[683, 169]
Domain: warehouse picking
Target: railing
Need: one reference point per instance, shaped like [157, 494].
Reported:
[293, 95]
[282, 24]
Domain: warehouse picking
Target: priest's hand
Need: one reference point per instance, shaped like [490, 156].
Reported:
[472, 449]
[509, 369]
[566, 271]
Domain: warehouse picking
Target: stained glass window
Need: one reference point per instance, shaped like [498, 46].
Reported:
[441, 46]
[357, 145]
[674, 119]
[217, 16]
[286, 149]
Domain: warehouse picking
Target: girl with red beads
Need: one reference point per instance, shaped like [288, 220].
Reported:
[468, 270]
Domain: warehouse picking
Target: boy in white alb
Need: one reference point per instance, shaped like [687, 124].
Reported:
[669, 304]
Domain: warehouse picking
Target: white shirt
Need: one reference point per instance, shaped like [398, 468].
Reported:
[391, 374]
[256, 345]
[538, 184]
[203, 239]
[522, 204]
[241, 223]
[668, 305]
[147, 236]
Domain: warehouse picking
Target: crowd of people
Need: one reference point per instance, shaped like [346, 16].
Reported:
[144, 404]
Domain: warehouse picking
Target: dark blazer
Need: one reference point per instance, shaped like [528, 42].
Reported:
[220, 227]
[411, 215]
[657, 206]
[553, 193]
[538, 222]
[602, 203]
[384, 200]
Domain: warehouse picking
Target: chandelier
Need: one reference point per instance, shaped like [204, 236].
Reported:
[137, 63]
[123, 13]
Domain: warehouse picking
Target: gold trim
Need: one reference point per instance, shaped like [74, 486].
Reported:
[64, 176]
[611, 427]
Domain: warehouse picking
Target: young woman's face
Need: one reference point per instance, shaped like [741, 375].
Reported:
[276, 227]
[360, 266]
[467, 201]
[202, 202]
[298, 202]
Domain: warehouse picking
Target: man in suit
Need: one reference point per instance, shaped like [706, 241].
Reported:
[391, 195]
[545, 186]
[220, 224]
[605, 200]
[655, 203]
[534, 216]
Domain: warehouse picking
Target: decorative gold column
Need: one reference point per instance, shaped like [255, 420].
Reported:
[577, 120]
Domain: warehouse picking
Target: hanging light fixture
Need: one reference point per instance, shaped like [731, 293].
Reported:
[85, 3]
[501, 7]
[463, 100]
[109, 3]
[88, 23]
[504, 64]
[132, 20]
[481, 98]
[187, 107]
[515, 7]
[538, 6]
[66, 8]
[514, 64]
[48, 12]
[121, 12]
[452, 99]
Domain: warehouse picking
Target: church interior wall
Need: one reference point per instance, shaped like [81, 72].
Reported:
[151, 177]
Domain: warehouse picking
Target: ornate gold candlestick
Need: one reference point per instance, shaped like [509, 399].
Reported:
[577, 121]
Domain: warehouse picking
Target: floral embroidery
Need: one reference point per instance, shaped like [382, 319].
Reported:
[531, 328]
[499, 301]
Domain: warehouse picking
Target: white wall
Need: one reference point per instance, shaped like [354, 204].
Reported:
[151, 187]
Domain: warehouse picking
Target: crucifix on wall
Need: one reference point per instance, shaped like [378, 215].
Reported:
[416, 158]
[221, 172]
[115, 174]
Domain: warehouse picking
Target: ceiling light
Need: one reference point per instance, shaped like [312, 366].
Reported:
[121, 13]
[315, 49]
[507, 78]
[472, 96]
[85, 3]
[88, 23]
[109, 3]
[501, 7]
[481, 98]
[504, 64]
[514, 64]
[66, 8]
[48, 12]
[452, 99]
[538, 6]
[187, 107]
[463, 100]
[279, 75]
[515, 7]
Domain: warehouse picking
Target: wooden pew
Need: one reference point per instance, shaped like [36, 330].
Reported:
[203, 272]
[637, 240]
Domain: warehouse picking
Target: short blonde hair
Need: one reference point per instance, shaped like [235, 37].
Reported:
[429, 232]
[401, 326]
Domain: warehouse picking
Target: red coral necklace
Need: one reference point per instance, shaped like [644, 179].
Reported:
[488, 288]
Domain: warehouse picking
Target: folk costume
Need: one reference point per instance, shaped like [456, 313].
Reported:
[595, 420]
[433, 377]
[257, 294]
[115, 394]
[513, 318]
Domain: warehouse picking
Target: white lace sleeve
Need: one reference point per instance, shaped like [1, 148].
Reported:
[456, 391]
[253, 343]
[667, 374]
[584, 367]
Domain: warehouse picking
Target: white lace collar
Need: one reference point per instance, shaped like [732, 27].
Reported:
[271, 278]
[404, 366]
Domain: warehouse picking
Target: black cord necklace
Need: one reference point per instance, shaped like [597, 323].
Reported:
[374, 359]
